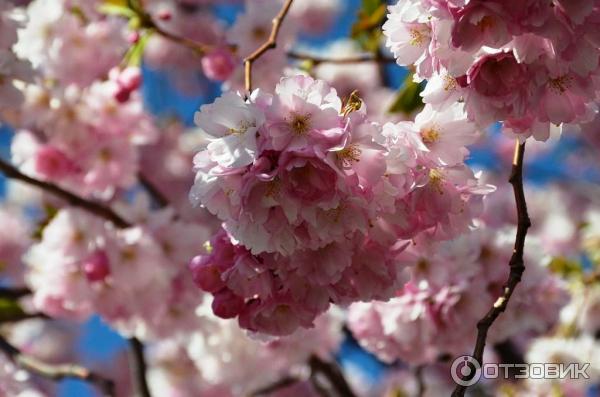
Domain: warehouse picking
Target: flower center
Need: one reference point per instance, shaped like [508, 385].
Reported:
[349, 155]
[243, 127]
[560, 84]
[300, 123]
[487, 22]
[416, 37]
[436, 177]
[449, 83]
[430, 135]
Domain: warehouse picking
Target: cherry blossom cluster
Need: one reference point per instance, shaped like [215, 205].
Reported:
[82, 122]
[13, 70]
[316, 200]
[220, 360]
[531, 64]
[224, 47]
[453, 284]
[135, 278]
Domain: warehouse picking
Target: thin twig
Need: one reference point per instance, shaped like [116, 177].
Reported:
[56, 372]
[94, 207]
[275, 386]
[316, 60]
[147, 22]
[156, 194]
[197, 48]
[14, 293]
[517, 265]
[420, 380]
[271, 43]
[333, 374]
[138, 367]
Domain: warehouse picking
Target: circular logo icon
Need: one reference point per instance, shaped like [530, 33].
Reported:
[465, 371]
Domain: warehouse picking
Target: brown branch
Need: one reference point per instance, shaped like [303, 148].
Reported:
[197, 48]
[14, 293]
[420, 380]
[316, 60]
[56, 372]
[516, 263]
[146, 22]
[270, 44]
[333, 374]
[138, 367]
[275, 386]
[156, 194]
[91, 206]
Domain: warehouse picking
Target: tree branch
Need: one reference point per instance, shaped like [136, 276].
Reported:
[94, 207]
[516, 263]
[156, 194]
[138, 362]
[333, 374]
[339, 61]
[56, 372]
[14, 293]
[418, 371]
[275, 386]
[271, 43]
[138, 367]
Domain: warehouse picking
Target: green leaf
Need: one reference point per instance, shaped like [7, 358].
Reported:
[133, 57]
[116, 9]
[370, 6]
[10, 310]
[565, 267]
[409, 98]
[366, 31]
[50, 213]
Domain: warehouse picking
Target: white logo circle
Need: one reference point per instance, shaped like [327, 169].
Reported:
[465, 371]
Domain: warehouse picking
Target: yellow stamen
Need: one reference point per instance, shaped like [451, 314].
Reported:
[430, 135]
[560, 84]
[300, 124]
[349, 155]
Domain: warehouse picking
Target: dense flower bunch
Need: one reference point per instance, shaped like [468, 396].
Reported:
[135, 277]
[316, 200]
[531, 64]
[222, 361]
[449, 291]
[12, 69]
[331, 184]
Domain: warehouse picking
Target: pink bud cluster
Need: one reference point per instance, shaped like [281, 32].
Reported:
[529, 63]
[315, 200]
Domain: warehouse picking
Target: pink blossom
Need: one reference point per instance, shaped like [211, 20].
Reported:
[218, 64]
[52, 163]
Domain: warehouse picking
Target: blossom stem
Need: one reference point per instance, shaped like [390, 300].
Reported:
[421, 387]
[516, 263]
[275, 386]
[56, 372]
[94, 207]
[333, 375]
[270, 44]
[14, 293]
[138, 367]
[316, 60]
[156, 194]
[147, 22]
